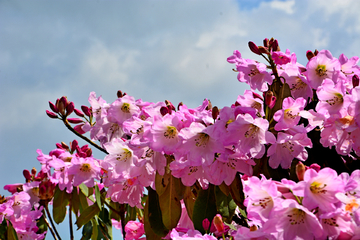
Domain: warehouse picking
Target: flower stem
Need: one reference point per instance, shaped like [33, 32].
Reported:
[70, 220]
[51, 221]
[49, 226]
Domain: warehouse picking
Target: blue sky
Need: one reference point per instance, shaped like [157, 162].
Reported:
[154, 50]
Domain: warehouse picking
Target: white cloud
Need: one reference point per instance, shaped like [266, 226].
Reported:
[285, 6]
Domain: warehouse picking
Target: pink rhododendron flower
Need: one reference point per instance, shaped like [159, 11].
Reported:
[134, 230]
[84, 170]
[190, 235]
[289, 115]
[322, 66]
[280, 57]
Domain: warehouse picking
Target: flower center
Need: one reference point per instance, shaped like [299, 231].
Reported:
[299, 84]
[316, 187]
[171, 132]
[296, 216]
[85, 167]
[251, 132]
[202, 139]
[126, 155]
[321, 70]
[125, 108]
[337, 98]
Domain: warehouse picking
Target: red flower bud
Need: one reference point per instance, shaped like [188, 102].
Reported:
[315, 166]
[70, 108]
[51, 114]
[73, 145]
[355, 80]
[53, 107]
[86, 110]
[61, 105]
[300, 171]
[78, 128]
[270, 99]
[164, 110]
[27, 175]
[64, 146]
[266, 42]
[78, 112]
[218, 223]
[215, 112]
[263, 50]
[309, 55]
[75, 120]
[275, 46]
[254, 48]
[206, 224]
[120, 94]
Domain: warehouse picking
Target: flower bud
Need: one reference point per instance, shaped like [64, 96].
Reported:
[275, 46]
[254, 48]
[164, 110]
[58, 145]
[316, 52]
[70, 108]
[46, 190]
[300, 171]
[78, 128]
[315, 166]
[73, 145]
[27, 175]
[263, 50]
[61, 105]
[215, 112]
[120, 94]
[209, 106]
[88, 152]
[179, 105]
[218, 223]
[266, 42]
[64, 146]
[206, 224]
[309, 55]
[256, 95]
[51, 114]
[270, 99]
[75, 120]
[355, 80]
[170, 106]
[78, 112]
[53, 107]
[86, 110]
[33, 171]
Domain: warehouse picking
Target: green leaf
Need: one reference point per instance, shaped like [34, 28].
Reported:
[11, 233]
[75, 201]
[83, 201]
[87, 215]
[154, 214]
[161, 182]
[116, 207]
[225, 205]
[41, 224]
[98, 196]
[105, 222]
[61, 200]
[189, 200]
[87, 231]
[205, 207]
[130, 213]
[150, 234]
[237, 193]
[84, 189]
[170, 204]
[95, 232]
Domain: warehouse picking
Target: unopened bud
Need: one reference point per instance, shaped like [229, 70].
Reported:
[73, 145]
[253, 228]
[264, 50]
[256, 95]
[206, 224]
[355, 80]
[179, 105]
[275, 46]
[266, 42]
[300, 171]
[218, 223]
[254, 48]
[86, 110]
[164, 110]
[78, 128]
[53, 107]
[315, 166]
[270, 99]
[119, 94]
[51, 114]
[58, 145]
[170, 105]
[64, 146]
[215, 112]
[33, 171]
[75, 120]
[88, 152]
[309, 55]
[78, 112]
[209, 106]
[70, 108]
[46, 190]
[27, 175]
[316, 52]
[61, 105]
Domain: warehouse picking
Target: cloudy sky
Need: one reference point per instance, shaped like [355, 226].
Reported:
[154, 50]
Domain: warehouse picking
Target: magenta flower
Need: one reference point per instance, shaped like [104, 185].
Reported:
[190, 235]
[280, 57]
[251, 134]
[289, 115]
[320, 189]
[255, 74]
[84, 170]
[288, 147]
[293, 221]
[322, 66]
[122, 109]
[134, 230]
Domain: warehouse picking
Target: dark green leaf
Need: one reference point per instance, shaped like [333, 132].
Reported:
[87, 215]
[189, 200]
[225, 205]
[11, 233]
[237, 193]
[150, 234]
[87, 231]
[75, 201]
[98, 196]
[205, 207]
[154, 214]
[61, 200]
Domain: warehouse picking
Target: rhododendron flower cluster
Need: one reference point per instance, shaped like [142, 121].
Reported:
[282, 164]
